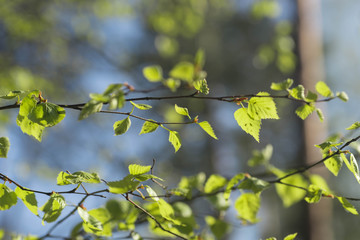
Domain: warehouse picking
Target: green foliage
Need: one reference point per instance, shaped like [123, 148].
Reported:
[214, 183]
[247, 206]
[174, 139]
[183, 71]
[12, 94]
[218, 227]
[4, 147]
[314, 194]
[262, 107]
[285, 85]
[247, 123]
[65, 178]
[261, 157]
[334, 164]
[141, 106]
[127, 184]
[205, 125]
[347, 205]
[290, 236]
[122, 126]
[8, 197]
[90, 107]
[47, 114]
[182, 111]
[254, 184]
[28, 199]
[53, 207]
[323, 89]
[201, 86]
[153, 73]
[305, 110]
[354, 126]
[148, 127]
[96, 221]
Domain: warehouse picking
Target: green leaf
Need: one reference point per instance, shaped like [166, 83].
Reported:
[199, 60]
[102, 216]
[261, 157]
[254, 184]
[290, 236]
[127, 184]
[141, 106]
[201, 86]
[122, 126]
[342, 96]
[117, 100]
[183, 71]
[289, 194]
[148, 127]
[53, 207]
[262, 107]
[47, 114]
[172, 84]
[136, 169]
[167, 211]
[28, 199]
[247, 206]
[314, 194]
[214, 183]
[311, 97]
[322, 88]
[326, 146]
[12, 94]
[122, 210]
[205, 125]
[304, 111]
[91, 224]
[89, 108]
[233, 181]
[218, 227]
[334, 164]
[282, 85]
[354, 126]
[135, 236]
[4, 147]
[298, 92]
[352, 165]
[113, 88]
[8, 197]
[77, 177]
[153, 73]
[182, 111]
[99, 97]
[347, 205]
[247, 123]
[320, 114]
[152, 193]
[320, 182]
[174, 139]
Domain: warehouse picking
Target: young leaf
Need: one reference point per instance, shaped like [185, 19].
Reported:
[205, 125]
[247, 123]
[77, 177]
[53, 207]
[247, 206]
[12, 94]
[334, 164]
[304, 111]
[290, 236]
[347, 205]
[148, 127]
[167, 211]
[89, 108]
[218, 227]
[141, 106]
[172, 84]
[182, 111]
[8, 197]
[322, 88]
[342, 96]
[136, 169]
[122, 126]
[352, 165]
[127, 184]
[153, 73]
[183, 71]
[298, 92]
[112, 88]
[152, 193]
[233, 181]
[311, 97]
[28, 199]
[254, 184]
[99, 97]
[282, 85]
[354, 126]
[4, 147]
[314, 194]
[262, 107]
[215, 182]
[201, 86]
[91, 224]
[47, 114]
[320, 114]
[174, 139]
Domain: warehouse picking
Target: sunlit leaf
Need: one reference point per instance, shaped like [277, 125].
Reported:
[314, 194]
[99, 218]
[205, 125]
[148, 127]
[12, 94]
[261, 157]
[65, 178]
[8, 197]
[153, 73]
[53, 207]
[334, 164]
[214, 182]
[28, 199]
[127, 184]
[262, 107]
[233, 181]
[320, 114]
[122, 126]
[201, 86]
[152, 193]
[304, 111]
[183, 71]
[174, 139]
[47, 114]
[298, 92]
[347, 205]
[254, 184]
[282, 85]
[182, 111]
[352, 165]
[247, 123]
[290, 236]
[92, 224]
[322, 88]
[141, 106]
[89, 108]
[136, 169]
[354, 126]
[343, 96]
[218, 227]
[247, 206]
[4, 146]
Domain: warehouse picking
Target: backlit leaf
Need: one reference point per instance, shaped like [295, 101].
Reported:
[298, 92]
[92, 224]
[314, 194]
[343, 96]
[102, 216]
[141, 106]
[136, 169]
[352, 165]
[254, 184]
[65, 178]
[28, 199]
[354, 126]
[12, 94]
[334, 164]
[153, 73]
[47, 114]
[304, 111]
[4, 146]
[174, 139]
[322, 88]
[8, 197]
[347, 205]
[122, 126]
[320, 114]
[127, 184]
[182, 111]
[201, 86]
[261, 157]
[218, 227]
[214, 182]
[233, 181]
[183, 71]
[290, 236]
[262, 107]
[89, 108]
[247, 206]
[205, 125]
[152, 193]
[167, 211]
[282, 85]
[247, 123]
[148, 127]
[53, 207]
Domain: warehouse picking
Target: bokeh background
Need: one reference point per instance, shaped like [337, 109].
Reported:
[69, 49]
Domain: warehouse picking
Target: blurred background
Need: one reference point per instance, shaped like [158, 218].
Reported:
[69, 49]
